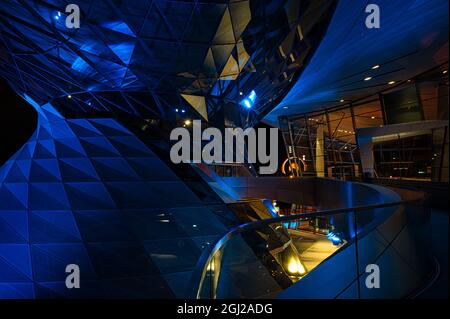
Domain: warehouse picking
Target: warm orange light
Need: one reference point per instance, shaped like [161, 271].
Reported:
[295, 267]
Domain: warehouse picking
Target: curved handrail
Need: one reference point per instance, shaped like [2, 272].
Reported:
[208, 253]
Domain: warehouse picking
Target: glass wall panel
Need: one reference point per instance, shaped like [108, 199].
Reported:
[319, 141]
[409, 158]
[429, 98]
[343, 144]
[368, 114]
[403, 106]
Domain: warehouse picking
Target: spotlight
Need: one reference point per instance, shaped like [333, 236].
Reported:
[375, 67]
[249, 101]
[368, 78]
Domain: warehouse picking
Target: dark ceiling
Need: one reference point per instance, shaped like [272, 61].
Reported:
[413, 38]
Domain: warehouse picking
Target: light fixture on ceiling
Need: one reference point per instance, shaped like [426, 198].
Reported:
[342, 100]
[241, 93]
[249, 101]
[444, 72]
[69, 96]
[368, 78]
[391, 82]
[187, 122]
[375, 67]
[285, 107]
[372, 117]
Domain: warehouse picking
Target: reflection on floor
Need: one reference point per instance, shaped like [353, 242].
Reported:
[439, 224]
[313, 248]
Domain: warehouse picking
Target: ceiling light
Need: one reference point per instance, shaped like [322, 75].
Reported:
[444, 72]
[342, 100]
[240, 93]
[187, 122]
[285, 107]
[391, 82]
[249, 101]
[373, 117]
[375, 67]
[368, 78]
[69, 96]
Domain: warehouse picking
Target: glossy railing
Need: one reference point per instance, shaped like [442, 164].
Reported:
[372, 251]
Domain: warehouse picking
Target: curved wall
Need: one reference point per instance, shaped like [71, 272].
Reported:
[397, 239]
[89, 192]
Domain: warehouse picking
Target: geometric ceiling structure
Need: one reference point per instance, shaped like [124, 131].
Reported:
[412, 39]
[139, 58]
[85, 189]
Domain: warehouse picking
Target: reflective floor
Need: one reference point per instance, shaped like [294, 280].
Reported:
[439, 225]
[313, 248]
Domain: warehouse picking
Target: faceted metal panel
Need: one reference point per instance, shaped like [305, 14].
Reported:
[140, 58]
[89, 192]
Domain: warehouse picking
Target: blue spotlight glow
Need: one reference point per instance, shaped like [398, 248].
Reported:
[252, 96]
[250, 100]
[335, 239]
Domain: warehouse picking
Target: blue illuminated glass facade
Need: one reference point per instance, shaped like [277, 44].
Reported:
[88, 192]
[85, 189]
[148, 58]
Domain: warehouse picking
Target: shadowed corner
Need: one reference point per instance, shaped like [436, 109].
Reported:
[18, 121]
